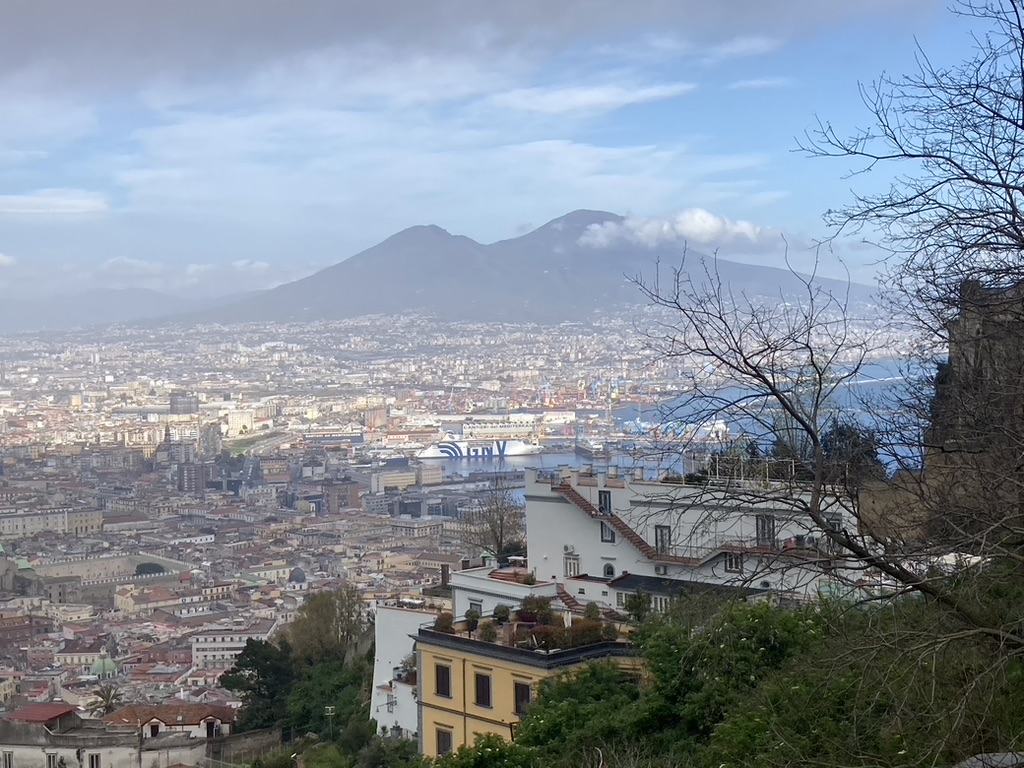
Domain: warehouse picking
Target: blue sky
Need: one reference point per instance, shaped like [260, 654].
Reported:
[206, 148]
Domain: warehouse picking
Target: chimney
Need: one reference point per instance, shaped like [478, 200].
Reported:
[446, 574]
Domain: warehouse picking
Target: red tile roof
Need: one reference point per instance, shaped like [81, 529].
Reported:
[42, 713]
[189, 714]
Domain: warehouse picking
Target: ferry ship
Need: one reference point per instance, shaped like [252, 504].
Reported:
[591, 449]
[455, 448]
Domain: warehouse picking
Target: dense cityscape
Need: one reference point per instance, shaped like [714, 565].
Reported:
[162, 489]
[344, 423]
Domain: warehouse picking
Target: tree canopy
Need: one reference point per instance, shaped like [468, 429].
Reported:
[330, 626]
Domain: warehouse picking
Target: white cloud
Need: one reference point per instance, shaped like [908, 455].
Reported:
[194, 270]
[20, 156]
[247, 265]
[693, 225]
[7, 261]
[761, 83]
[56, 202]
[742, 47]
[123, 265]
[601, 98]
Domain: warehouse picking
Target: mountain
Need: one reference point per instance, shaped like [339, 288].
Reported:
[545, 275]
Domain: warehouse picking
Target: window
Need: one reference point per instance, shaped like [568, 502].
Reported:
[523, 695]
[765, 525]
[51, 760]
[444, 742]
[571, 566]
[94, 760]
[662, 539]
[607, 533]
[733, 562]
[442, 681]
[604, 502]
[620, 600]
[8, 760]
[476, 605]
[609, 571]
[483, 690]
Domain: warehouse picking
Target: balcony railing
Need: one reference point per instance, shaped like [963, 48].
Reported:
[512, 652]
[795, 543]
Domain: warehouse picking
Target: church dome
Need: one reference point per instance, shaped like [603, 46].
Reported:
[297, 576]
[104, 666]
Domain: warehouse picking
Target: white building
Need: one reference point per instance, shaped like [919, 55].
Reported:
[604, 536]
[218, 647]
[393, 698]
[482, 589]
[50, 734]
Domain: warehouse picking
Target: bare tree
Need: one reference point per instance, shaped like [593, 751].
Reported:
[496, 524]
[955, 214]
[948, 525]
[953, 226]
[779, 367]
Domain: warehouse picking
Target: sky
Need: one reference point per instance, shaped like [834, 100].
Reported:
[207, 147]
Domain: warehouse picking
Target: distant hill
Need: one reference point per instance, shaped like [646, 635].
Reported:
[96, 307]
[543, 276]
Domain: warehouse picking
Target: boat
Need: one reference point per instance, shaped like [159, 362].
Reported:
[455, 448]
[591, 449]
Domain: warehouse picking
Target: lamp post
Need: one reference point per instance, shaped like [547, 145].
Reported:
[329, 712]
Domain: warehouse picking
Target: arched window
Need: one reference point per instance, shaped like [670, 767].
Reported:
[609, 570]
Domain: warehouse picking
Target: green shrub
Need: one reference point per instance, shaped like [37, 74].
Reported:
[488, 632]
[445, 622]
[501, 614]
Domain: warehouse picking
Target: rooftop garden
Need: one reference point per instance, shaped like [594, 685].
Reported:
[533, 626]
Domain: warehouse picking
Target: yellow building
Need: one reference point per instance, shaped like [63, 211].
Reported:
[22, 524]
[468, 687]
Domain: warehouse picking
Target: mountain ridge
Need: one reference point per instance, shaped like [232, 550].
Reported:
[546, 275]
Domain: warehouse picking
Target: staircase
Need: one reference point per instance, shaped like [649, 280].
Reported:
[633, 537]
[568, 600]
[615, 522]
[572, 495]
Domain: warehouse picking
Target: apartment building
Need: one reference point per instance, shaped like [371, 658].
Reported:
[218, 647]
[469, 687]
[606, 535]
[78, 521]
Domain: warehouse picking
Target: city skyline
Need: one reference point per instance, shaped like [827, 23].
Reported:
[188, 149]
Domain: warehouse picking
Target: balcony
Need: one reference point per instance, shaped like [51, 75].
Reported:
[811, 545]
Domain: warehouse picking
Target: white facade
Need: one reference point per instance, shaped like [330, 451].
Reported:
[478, 589]
[392, 700]
[218, 648]
[606, 527]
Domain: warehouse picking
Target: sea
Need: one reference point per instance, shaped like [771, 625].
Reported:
[863, 399]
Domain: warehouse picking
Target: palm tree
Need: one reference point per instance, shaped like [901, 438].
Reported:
[107, 699]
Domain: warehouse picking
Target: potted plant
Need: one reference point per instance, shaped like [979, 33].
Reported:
[501, 614]
[472, 619]
[488, 632]
[445, 622]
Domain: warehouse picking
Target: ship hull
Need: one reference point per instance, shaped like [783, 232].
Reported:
[478, 449]
[592, 452]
